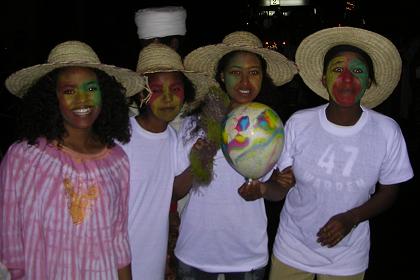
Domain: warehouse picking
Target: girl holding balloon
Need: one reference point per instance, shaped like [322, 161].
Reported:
[220, 232]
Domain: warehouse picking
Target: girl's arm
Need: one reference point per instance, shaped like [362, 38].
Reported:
[124, 273]
[341, 224]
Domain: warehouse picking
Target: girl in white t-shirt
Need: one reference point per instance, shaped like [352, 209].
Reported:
[347, 159]
[154, 156]
[221, 233]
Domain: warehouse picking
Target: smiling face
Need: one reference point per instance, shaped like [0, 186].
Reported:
[79, 97]
[167, 94]
[346, 78]
[242, 77]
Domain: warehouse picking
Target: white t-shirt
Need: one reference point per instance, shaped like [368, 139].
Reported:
[154, 163]
[220, 231]
[336, 169]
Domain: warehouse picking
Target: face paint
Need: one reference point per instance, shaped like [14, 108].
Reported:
[167, 94]
[79, 96]
[347, 78]
[243, 77]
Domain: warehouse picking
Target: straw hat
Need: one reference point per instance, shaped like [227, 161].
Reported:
[205, 59]
[157, 57]
[385, 57]
[72, 53]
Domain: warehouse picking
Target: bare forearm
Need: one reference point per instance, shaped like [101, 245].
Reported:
[124, 273]
[182, 184]
[383, 198]
[278, 185]
[273, 191]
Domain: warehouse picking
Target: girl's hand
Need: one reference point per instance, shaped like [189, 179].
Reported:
[336, 229]
[285, 178]
[251, 190]
[206, 151]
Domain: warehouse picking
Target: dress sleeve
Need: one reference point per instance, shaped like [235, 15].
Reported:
[121, 243]
[11, 245]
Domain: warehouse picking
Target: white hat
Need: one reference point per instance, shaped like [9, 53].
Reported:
[161, 22]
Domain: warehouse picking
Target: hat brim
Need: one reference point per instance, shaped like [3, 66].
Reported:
[205, 59]
[385, 57]
[19, 82]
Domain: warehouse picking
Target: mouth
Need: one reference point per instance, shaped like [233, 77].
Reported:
[82, 111]
[244, 92]
[167, 108]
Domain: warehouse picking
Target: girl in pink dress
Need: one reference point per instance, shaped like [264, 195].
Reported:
[64, 183]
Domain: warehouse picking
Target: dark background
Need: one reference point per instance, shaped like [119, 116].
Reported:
[30, 29]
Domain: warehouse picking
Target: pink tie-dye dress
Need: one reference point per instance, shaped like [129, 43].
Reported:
[63, 215]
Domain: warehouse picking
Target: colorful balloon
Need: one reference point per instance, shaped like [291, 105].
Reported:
[252, 139]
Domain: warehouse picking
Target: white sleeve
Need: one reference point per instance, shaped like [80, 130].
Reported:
[286, 159]
[396, 167]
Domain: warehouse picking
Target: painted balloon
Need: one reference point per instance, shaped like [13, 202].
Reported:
[252, 139]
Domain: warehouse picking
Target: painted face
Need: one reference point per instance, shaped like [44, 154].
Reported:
[347, 79]
[167, 94]
[79, 96]
[243, 77]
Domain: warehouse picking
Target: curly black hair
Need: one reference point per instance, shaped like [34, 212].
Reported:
[189, 95]
[40, 115]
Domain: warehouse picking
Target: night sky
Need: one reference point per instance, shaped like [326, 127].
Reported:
[30, 29]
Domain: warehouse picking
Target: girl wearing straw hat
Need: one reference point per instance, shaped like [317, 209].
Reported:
[347, 159]
[220, 232]
[166, 25]
[154, 154]
[64, 183]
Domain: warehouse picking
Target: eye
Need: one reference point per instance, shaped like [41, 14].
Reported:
[93, 89]
[177, 89]
[254, 72]
[69, 91]
[156, 90]
[338, 69]
[357, 70]
[235, 72]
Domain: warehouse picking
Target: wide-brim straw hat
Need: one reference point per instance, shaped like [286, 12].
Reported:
[385, 57]
[72, 53]
[157, 57]
[206, 59]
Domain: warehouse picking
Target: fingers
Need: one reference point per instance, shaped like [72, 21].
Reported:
[250, 191]
[329, 236]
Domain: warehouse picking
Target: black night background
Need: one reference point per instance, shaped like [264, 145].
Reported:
[30, 29]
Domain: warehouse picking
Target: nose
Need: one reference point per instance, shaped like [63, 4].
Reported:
[81, 96]
[244, 79]
[167, 95]
[347, 76]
